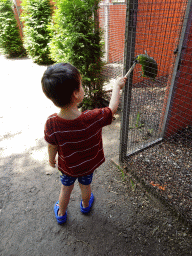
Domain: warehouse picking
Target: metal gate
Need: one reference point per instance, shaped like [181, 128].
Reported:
[158, 28]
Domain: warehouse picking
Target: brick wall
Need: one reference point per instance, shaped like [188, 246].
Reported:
[112, 20]
[117, 14]
[180, 113]
[156, 36]
[158, 23]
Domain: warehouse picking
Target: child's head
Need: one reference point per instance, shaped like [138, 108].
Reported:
[59, 82]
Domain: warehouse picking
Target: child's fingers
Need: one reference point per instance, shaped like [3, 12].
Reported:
[122, 81]
[125, 79]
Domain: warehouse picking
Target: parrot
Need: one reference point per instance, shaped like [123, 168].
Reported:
[149, 65]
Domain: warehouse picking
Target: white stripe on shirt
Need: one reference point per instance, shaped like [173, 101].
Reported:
[83, 150]
[57, 115]
[80, 140]
[51, 117]
[84, 161]
[74, 130]
[84, 172]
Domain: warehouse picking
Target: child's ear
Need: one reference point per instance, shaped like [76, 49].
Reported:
[76, 94]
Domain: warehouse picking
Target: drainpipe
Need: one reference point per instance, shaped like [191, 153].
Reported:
[18, 14]
[105, 4]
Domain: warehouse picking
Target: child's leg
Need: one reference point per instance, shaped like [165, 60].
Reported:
[64, 198]
[85, 193]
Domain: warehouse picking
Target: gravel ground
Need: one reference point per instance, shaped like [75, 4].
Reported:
[125, 219]
[166, 168]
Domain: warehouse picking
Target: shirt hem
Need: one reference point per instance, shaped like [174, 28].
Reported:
[84, 173]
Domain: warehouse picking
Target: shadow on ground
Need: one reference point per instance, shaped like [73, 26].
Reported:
[125, 219]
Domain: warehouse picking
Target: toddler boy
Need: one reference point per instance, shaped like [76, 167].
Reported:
[75, 136]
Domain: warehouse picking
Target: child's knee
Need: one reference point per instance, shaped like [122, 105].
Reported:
[67, 188]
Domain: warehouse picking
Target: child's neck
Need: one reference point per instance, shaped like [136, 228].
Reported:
[70, 112]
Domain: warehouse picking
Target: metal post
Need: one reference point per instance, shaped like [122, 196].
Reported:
[129, 55]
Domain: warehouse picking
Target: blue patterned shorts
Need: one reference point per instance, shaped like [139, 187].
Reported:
[68, 180]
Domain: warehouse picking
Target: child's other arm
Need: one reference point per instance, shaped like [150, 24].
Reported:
[52, 151]
[114, 102]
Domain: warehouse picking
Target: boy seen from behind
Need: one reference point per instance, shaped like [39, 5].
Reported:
[75, 136]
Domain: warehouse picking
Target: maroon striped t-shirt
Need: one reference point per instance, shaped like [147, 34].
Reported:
[80, 146]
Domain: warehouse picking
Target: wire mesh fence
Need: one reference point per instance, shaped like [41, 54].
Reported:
[156, 129]
[157, 31]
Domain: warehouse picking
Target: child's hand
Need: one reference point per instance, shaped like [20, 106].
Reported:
[121, 82]
[52, 163]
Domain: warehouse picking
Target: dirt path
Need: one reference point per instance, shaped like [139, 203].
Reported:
[125, 219]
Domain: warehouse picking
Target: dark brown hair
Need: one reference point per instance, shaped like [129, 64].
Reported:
[59, 81]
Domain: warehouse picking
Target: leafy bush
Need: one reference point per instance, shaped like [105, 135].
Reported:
[10, 39]
[36, 16]
[76, 38]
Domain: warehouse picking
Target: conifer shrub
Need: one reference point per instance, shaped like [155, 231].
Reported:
[36, 15]
[10, 40]
[76, 38]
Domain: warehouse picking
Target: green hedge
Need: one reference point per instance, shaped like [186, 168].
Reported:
[36, 16]
[10, 39]
[76, 38]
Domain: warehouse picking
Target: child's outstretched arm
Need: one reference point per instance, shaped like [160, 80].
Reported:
[52, 151]
[114, 102]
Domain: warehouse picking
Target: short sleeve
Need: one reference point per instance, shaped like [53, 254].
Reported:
[107, 116]
[49, 134]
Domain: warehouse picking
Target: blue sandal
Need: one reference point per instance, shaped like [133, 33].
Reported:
[60, 219]
[87, 209]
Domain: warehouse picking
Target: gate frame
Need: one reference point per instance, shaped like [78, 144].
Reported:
[131, 22]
